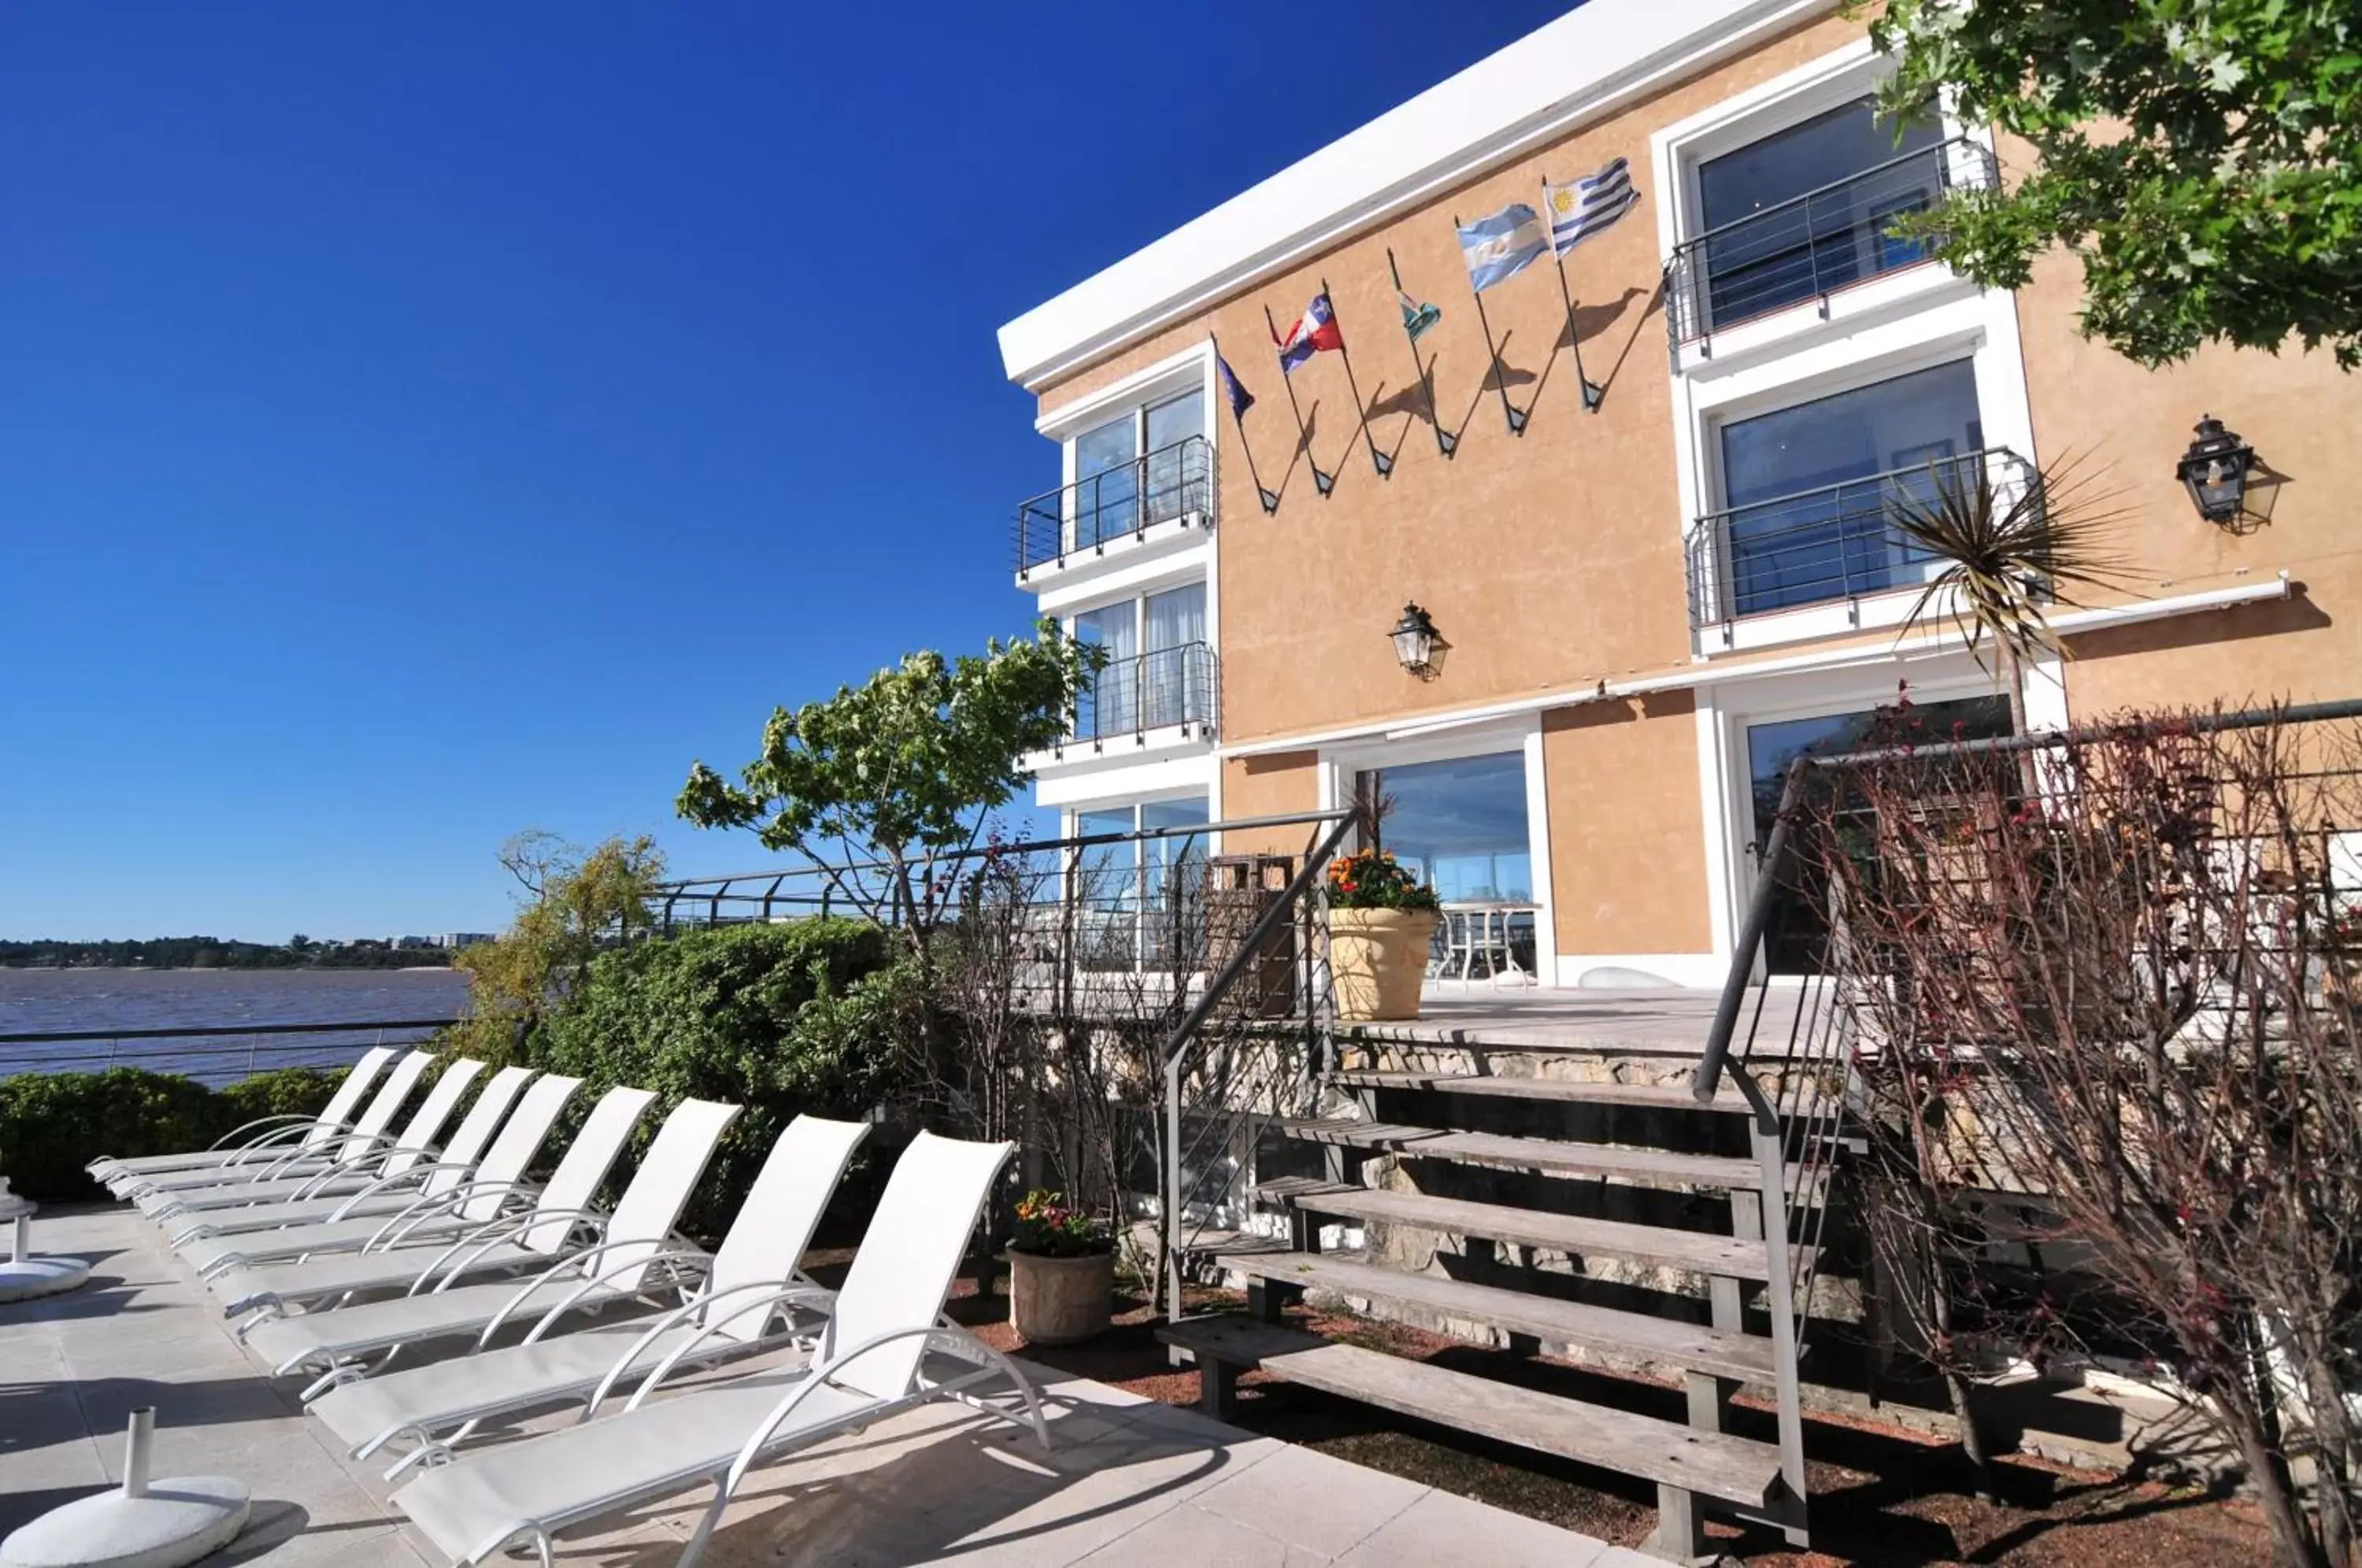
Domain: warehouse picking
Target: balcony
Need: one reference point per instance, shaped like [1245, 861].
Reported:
[1814, 245]
[1159, 689]
[1173, 485]
[1830, 544]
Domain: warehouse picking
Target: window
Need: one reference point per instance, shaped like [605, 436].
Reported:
[1148, 465]
[1805, 210]
[1143, 899]
[1796, 940]
[1460, 825]
[1807, 488]
[1159, 670]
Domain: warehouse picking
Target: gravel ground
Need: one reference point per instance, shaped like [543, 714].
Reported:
[1880, 1495]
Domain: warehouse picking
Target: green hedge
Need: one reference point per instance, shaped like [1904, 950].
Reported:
[779, 1018]
[52, 1124]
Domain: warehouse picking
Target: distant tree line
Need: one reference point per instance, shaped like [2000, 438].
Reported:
[299, 952]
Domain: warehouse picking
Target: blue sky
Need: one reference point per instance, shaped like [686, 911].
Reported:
[420, 422]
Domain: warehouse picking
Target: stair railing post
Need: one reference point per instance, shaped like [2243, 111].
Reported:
[1172, 1203]
[1771, 1163]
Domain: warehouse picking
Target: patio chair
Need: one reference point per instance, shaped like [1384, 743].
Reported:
[405, 1182]
[636, 1255]
[367, 1133]
[267, 1132]
[559, 1223]
[868, 1365]
[349, 1170]
[749, 1285]
[428, 1202]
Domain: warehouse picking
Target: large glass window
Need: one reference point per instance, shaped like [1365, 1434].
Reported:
[1805, 209]
[1798, 937]
[1807, 519]
[1143, 899]
[1460, 825]
[1159, 669]
[1107, 479]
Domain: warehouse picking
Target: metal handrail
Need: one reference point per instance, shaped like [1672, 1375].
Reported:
[1177, 685]
[1828, 542]
[1693, 313]
[45, 1036]
[1172, 482]
[1248, 950]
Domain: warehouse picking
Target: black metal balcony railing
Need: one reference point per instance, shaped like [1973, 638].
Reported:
[1171, 483]
[1816, 243]
[1834, 541]
[1164, 686]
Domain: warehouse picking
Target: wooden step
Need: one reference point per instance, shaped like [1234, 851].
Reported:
[1709, 1463]
[1654, 1244]
[1568, 1091]
[1647, 1167]
[1636, 1335]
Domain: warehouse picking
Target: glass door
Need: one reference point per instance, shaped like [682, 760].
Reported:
[1176, 468]
[1107, 480]
[1797, 942]
[1173, 677]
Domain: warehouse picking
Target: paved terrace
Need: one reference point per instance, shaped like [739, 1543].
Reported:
[1131, 1481]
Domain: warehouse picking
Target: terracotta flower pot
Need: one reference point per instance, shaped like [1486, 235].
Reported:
[1060, 1301]
[1378, 958]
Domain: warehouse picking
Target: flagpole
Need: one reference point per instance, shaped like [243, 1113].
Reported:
[1500, 382]
[1320, 481]
[1270, 501]
[1593, 393]
[1445, 444]
[1378, 460]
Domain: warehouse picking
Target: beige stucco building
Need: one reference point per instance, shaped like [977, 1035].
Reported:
[1652, 605]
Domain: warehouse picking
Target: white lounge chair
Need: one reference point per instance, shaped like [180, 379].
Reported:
[886, 1324]
[368, 1131]
[561, 1221]
[406, 1177]
[447, 1200]
[269, 1134]
[749, 1285]
[349, 1170]
[631, 1258]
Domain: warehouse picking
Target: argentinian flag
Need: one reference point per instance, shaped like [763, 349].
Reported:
[1497, 248]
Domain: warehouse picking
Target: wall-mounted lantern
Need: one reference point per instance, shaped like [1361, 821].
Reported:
[2215, 470]
[1418, 646]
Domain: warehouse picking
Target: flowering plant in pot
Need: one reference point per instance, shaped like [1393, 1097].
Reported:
[1061, 1271]
[1382, 919]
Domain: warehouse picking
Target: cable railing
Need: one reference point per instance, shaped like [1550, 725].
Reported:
[1832, 541]
[1162, 486]
[1157, 690]
[1810, 245]
[214, 1054]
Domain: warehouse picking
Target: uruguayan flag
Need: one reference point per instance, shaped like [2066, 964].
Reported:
[1582, 209]
[1497, 248]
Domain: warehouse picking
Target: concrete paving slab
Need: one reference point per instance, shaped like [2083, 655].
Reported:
[1129, 1481]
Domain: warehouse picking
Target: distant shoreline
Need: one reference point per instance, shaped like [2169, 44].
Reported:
[228, 968]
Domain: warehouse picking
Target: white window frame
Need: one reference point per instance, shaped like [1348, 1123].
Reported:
[1911, 319]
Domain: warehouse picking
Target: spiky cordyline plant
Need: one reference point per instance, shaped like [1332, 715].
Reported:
[2007, 557]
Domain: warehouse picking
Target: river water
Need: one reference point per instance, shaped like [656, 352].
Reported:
[48, 1000]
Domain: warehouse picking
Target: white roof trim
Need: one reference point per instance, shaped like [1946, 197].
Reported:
[1574, 69]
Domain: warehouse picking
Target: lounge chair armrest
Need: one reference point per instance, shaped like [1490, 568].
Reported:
[763, 1291]
[475, 1243]
[396, 1230]
[277, 1140]
[415, 1174]
[817, 1377]
[580, 1263]
[223, 1142]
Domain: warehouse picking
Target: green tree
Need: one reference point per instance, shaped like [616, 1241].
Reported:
[884, 785]
[2201, 158]
[574, 902]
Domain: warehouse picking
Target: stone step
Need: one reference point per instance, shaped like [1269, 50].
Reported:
[1645, 1168]
[1708, 1463]
[1694, 1251]
[1635, 1336]
[1571, 1092]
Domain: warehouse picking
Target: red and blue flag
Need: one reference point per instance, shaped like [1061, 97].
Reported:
[1316, 331]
